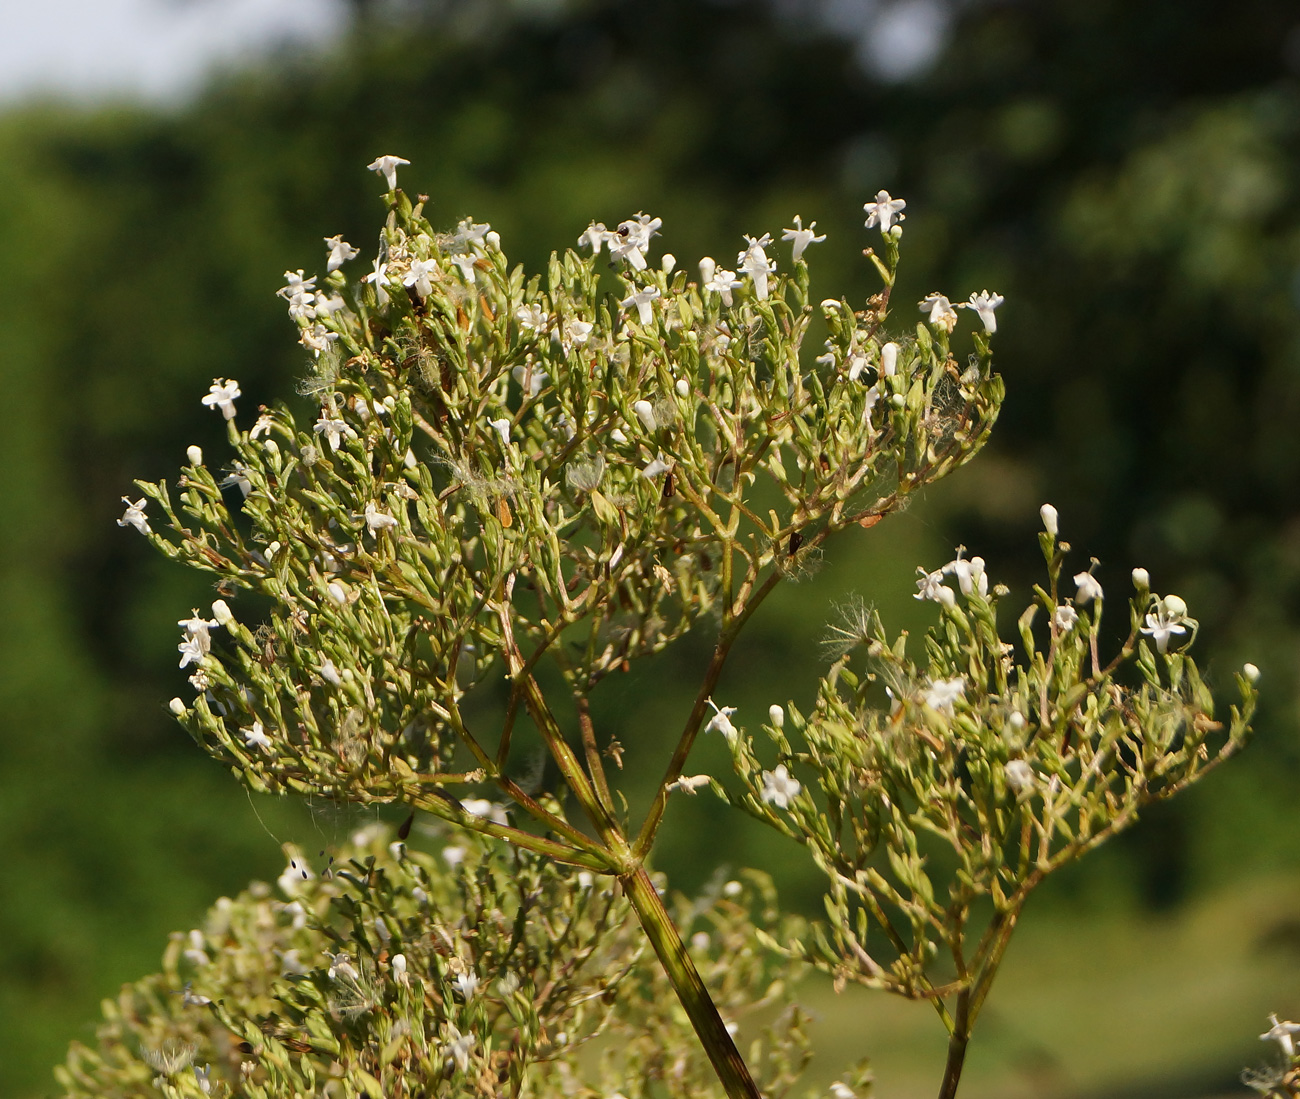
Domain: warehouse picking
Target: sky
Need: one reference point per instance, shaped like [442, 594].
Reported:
[157, 50]
[160, 50]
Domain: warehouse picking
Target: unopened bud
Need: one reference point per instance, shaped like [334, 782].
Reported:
[1141, 579]
[222, 613]
[492, 239]
[1250, 672]
[708, 265]
[683, 387]
[668, 263]
[645, 413]
[195, 455]
[776, 716]
[178, 707]
[1048, 515]
[889, 360]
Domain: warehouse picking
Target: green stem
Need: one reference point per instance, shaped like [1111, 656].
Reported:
[957, 1043]
[686, 981]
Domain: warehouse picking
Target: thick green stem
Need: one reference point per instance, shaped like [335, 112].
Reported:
[686, 980]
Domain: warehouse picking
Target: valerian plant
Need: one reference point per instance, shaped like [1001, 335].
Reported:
[541, 478]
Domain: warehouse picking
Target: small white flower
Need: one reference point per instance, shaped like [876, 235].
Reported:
[578, 332]
[776, 716]
[330, 673]
[984, 304]
[485, 810]
[531, 378]
[333, 429]
[594, 236]
[655, 467]
[753, 262]
[457, 1049]
[502, 428]
[632, 237]
[317, 338]
[177, 707]
[586, 879]
[642, 299]
[688, 784]
[378, 520]
[942, 314]
[453, 855]
[198, 628]
[971, 577]
[192, 651]
[1065, 617]
[418, 276]
[256, 737]
[1282, 1033]
[1089, 587]
[885, 211]
[930, 585]
[801, 237]
[1020, 776]
[222, 394]
[780, 787]
[842, 1091]
[386, 166]
[340, 252]
[134, 515]
[942, 693]
[723, 282]
[532, 317]
[466, 984]
[1050, 523]
[1166, 621]
[721, 721]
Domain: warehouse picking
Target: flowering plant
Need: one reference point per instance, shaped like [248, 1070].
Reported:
[541, 478]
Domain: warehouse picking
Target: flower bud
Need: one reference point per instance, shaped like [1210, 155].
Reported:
[222, 613]
[1048, 515]
[492, 239]
[195, 455]
[668, 263]
[889, 360]
[1141, 579]
[776, 716]
[399, 963]
[708, 265]
[1250, 672]
[178, 707]
[683, 387]
[645, 413]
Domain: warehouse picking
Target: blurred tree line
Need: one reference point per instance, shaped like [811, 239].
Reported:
[1126, 174]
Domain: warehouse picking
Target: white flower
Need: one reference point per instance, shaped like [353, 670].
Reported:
[930, 585]
[842, 1091]
[502, 428]
[377, 520]
[655, 467]
[531, 317]
[594, 236]
[485, 810]
[688, 784]
[1089, 587]
[753, 262]
[328, 306]
[532, 379]
[1065, 617]
[417, 276]
[780, 787]
[801, 237]
[334, 429]
[256, 737]
[1019, 775]
[386, 166]
[632, 237]
[971, 577]
[317, 338]
[134, 515]
[192, 651]
[645, 413]
[941, 311]
[330, 673]
[466, 984]
[198, 628]
[884, 211]
[1166, 621]
[586, 879]
[721, 721]
[379, 278]
[776, 716]
[340, 252]
[942, 693]
[642, 299]
[984, 303]
[238, 476]
[457, 1049]
[1282, 1032]
[576, 331]
[1050, 523]
[222, 394]
[453, 855]
[721, 281]
[295, 286]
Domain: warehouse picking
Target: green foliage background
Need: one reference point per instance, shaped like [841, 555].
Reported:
[1126, 174]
